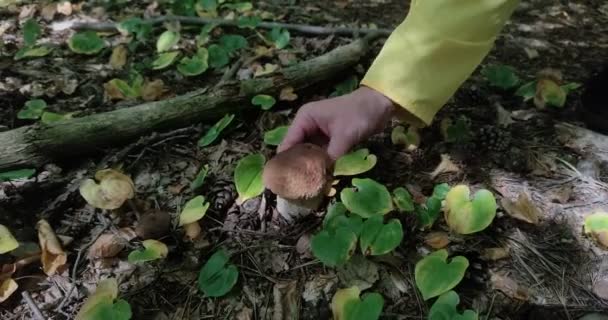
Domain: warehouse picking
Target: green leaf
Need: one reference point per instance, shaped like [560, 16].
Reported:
[264, 101]
[33, 109]
[367, 199]
[17, 174]
[32, 52]
[119, 310]
[280, 37]
[444, 308]
[86, 42]
[569, 87]
[164, 60]
[50, 117]
[346, 305]
[205, 34]
[410, 138]
[31, 31]
[184, 7]
[378, 238]
[200, 178]
[334, 247]
[466, 216]
[167, 40]
[217, 277]
[208, 5]
[501, 76]
[355, 163]
[233, 42]
[192, 66]
[369, 308]
[527, 91]
[248, 177]
[403, 200]
[596, 225]
[124, 88]
[214, 132]
[347, 86]
[434, 275]
[193, 211]
[218, 56]
[429, 213]
[153, 250]
[249, 22]
[335, 210]
[275, 136]
[137, 26]
[7, 240]
[460, 131]
[239, 6]
[441, 191]
[337, 217]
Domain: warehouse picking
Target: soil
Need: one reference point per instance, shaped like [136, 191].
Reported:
[551, 267]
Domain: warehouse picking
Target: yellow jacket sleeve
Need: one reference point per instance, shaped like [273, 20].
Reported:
[436, 48]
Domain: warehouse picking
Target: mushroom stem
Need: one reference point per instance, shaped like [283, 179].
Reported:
[295, 209]
[192, 230]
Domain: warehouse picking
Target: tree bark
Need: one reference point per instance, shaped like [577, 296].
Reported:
[35, 145]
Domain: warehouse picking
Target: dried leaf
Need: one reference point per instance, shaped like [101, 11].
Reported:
[509, 287]
[113, 190]
[7, 240]
[437, 240]
[504, 118]
[493, 254]
[110, 244]
[65, 8]
[266, 69]
[7, 288]
[153, 90]
[523, 209]
[287, 94]
[53, 257]
[600, 289]
[286, 301]
[48, 11]
[118, 59]
[445, 166]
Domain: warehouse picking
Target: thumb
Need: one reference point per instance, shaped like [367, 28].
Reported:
[297, 132]
[339, 145]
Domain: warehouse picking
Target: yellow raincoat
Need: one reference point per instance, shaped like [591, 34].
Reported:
[436, 48]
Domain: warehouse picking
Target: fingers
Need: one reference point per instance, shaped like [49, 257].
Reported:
[303, 126]
[340, 144]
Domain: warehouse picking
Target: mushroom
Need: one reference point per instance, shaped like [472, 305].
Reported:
[300, 177]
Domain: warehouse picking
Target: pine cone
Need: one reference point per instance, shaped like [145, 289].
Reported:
[494, 139]
[222, 194]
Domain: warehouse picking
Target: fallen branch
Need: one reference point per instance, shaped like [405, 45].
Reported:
[36, 314]
[302, 28]
[35, 145]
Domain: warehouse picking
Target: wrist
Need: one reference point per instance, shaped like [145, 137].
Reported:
[377, 99]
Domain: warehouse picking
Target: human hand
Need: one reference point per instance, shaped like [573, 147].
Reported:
[340, 123]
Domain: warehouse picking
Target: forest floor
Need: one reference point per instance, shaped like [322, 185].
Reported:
[551, 269]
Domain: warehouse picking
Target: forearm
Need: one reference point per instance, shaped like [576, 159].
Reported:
[436, 48]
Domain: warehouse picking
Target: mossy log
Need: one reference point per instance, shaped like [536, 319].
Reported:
[35, 145]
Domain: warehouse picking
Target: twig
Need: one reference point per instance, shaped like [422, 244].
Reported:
[302, 28]
[32, 305]
[230, 73]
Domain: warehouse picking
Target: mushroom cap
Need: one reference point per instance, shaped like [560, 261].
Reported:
[302, 172]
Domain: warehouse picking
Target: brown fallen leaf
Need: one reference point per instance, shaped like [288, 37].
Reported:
[48, 11]
[561, 194]
[286, 301]
[509, 287]
[600, 289]
[153, 224]
[287, 94]
[27, 11]
[118, 59]
[65, 8]
[523, 209]
[445, 166]
[110, 244]
[303, 246]
[7, 288]
[53, 257]
[153, 90]
[112, 91]
[493, 254]
[264, 70]
[437, 240]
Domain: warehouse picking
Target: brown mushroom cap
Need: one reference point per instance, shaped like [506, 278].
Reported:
[302, 172]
